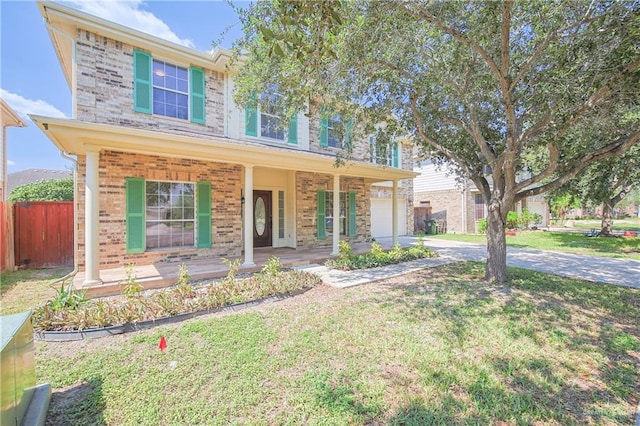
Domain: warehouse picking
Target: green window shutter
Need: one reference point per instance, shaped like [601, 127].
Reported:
[251, 121]
[396, 156]
[203, 194]
[292, 134]
[142, 82]
[322, 232]
[197, 95]
[135, 228]
[324, 127]
[352, 214]
[348, 130]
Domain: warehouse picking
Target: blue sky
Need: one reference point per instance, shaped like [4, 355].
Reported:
[31, 79]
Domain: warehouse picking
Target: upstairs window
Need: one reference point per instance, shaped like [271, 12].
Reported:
[269, 120]
[384, 154]
[272, 116]
[166, 89]
[170, 90]
[335, 130]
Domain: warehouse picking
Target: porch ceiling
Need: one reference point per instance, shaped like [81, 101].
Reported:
[78, 137]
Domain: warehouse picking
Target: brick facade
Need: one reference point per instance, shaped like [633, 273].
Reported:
[447, 205]
[115, 167]
[105, 90]
[307, 186]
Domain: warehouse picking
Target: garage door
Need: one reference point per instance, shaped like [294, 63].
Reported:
[381, 220]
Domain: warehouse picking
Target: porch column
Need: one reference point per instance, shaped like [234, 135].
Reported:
[394, 212]
[248, 215]
[91, 220]
[336, 215]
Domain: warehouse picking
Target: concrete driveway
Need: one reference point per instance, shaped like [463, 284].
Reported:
[622, 272]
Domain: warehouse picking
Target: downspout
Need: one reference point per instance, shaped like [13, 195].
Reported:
[67, 156]
[75, 218]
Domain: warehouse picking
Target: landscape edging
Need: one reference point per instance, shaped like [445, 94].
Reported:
[93, 333]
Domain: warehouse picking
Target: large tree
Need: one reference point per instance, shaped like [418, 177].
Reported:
[606, 183]
[486, 85]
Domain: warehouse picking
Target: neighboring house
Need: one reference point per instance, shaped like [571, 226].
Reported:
[8, 117]
[24, 177]
[457, 204]
[170, 169]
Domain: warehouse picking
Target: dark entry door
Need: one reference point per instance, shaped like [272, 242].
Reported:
[262, 219]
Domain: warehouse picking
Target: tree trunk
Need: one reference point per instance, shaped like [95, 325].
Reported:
[496, 269]
[607, 219]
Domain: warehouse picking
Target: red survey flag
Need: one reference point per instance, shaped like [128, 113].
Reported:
[163, 344]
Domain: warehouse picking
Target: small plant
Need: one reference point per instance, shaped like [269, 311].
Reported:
[183, 284]
[272, 268]
[67, 298]
[233, 265]
[131, 286]
[344, 249]
[183, 275]
[482, 226]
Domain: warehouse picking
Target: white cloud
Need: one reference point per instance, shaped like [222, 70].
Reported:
[24, 106]
[11, 163]
[130, 14]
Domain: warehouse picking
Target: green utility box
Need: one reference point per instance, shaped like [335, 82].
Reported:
[23, 403]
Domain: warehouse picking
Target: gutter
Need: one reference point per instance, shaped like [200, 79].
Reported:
[75, 218]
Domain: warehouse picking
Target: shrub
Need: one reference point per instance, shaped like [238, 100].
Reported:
[44, 190]
[377, 256]
[75, 312]
[482, 225]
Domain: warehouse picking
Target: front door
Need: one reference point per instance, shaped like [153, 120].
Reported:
[262, 219]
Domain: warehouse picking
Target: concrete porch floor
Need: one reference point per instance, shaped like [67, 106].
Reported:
[164, 274]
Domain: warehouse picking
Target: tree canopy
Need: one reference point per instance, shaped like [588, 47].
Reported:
[44, 190]
[533, 91]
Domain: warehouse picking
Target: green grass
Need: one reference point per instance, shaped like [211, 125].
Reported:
[570, 242]
[436, 347]
[25, 289]
[628, 224]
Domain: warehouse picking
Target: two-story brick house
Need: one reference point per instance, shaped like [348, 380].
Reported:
[171, 169]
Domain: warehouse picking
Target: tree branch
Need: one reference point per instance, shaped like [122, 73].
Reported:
[619, 147]
[543, 46]
[420, 129]
[435, 21]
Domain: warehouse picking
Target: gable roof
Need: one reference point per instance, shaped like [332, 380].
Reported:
[9, 116]
[62, 23]
[34, 175]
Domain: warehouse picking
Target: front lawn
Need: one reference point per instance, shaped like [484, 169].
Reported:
[570, 242]
[25, 289]
[436, 347]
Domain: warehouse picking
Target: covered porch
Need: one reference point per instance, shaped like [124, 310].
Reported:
[164, 274]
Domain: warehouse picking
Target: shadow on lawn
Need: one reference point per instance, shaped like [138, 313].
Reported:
[82, 404]
[567, 318]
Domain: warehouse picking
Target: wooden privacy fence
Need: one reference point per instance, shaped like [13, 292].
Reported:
[6, 236]
[43, 234]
